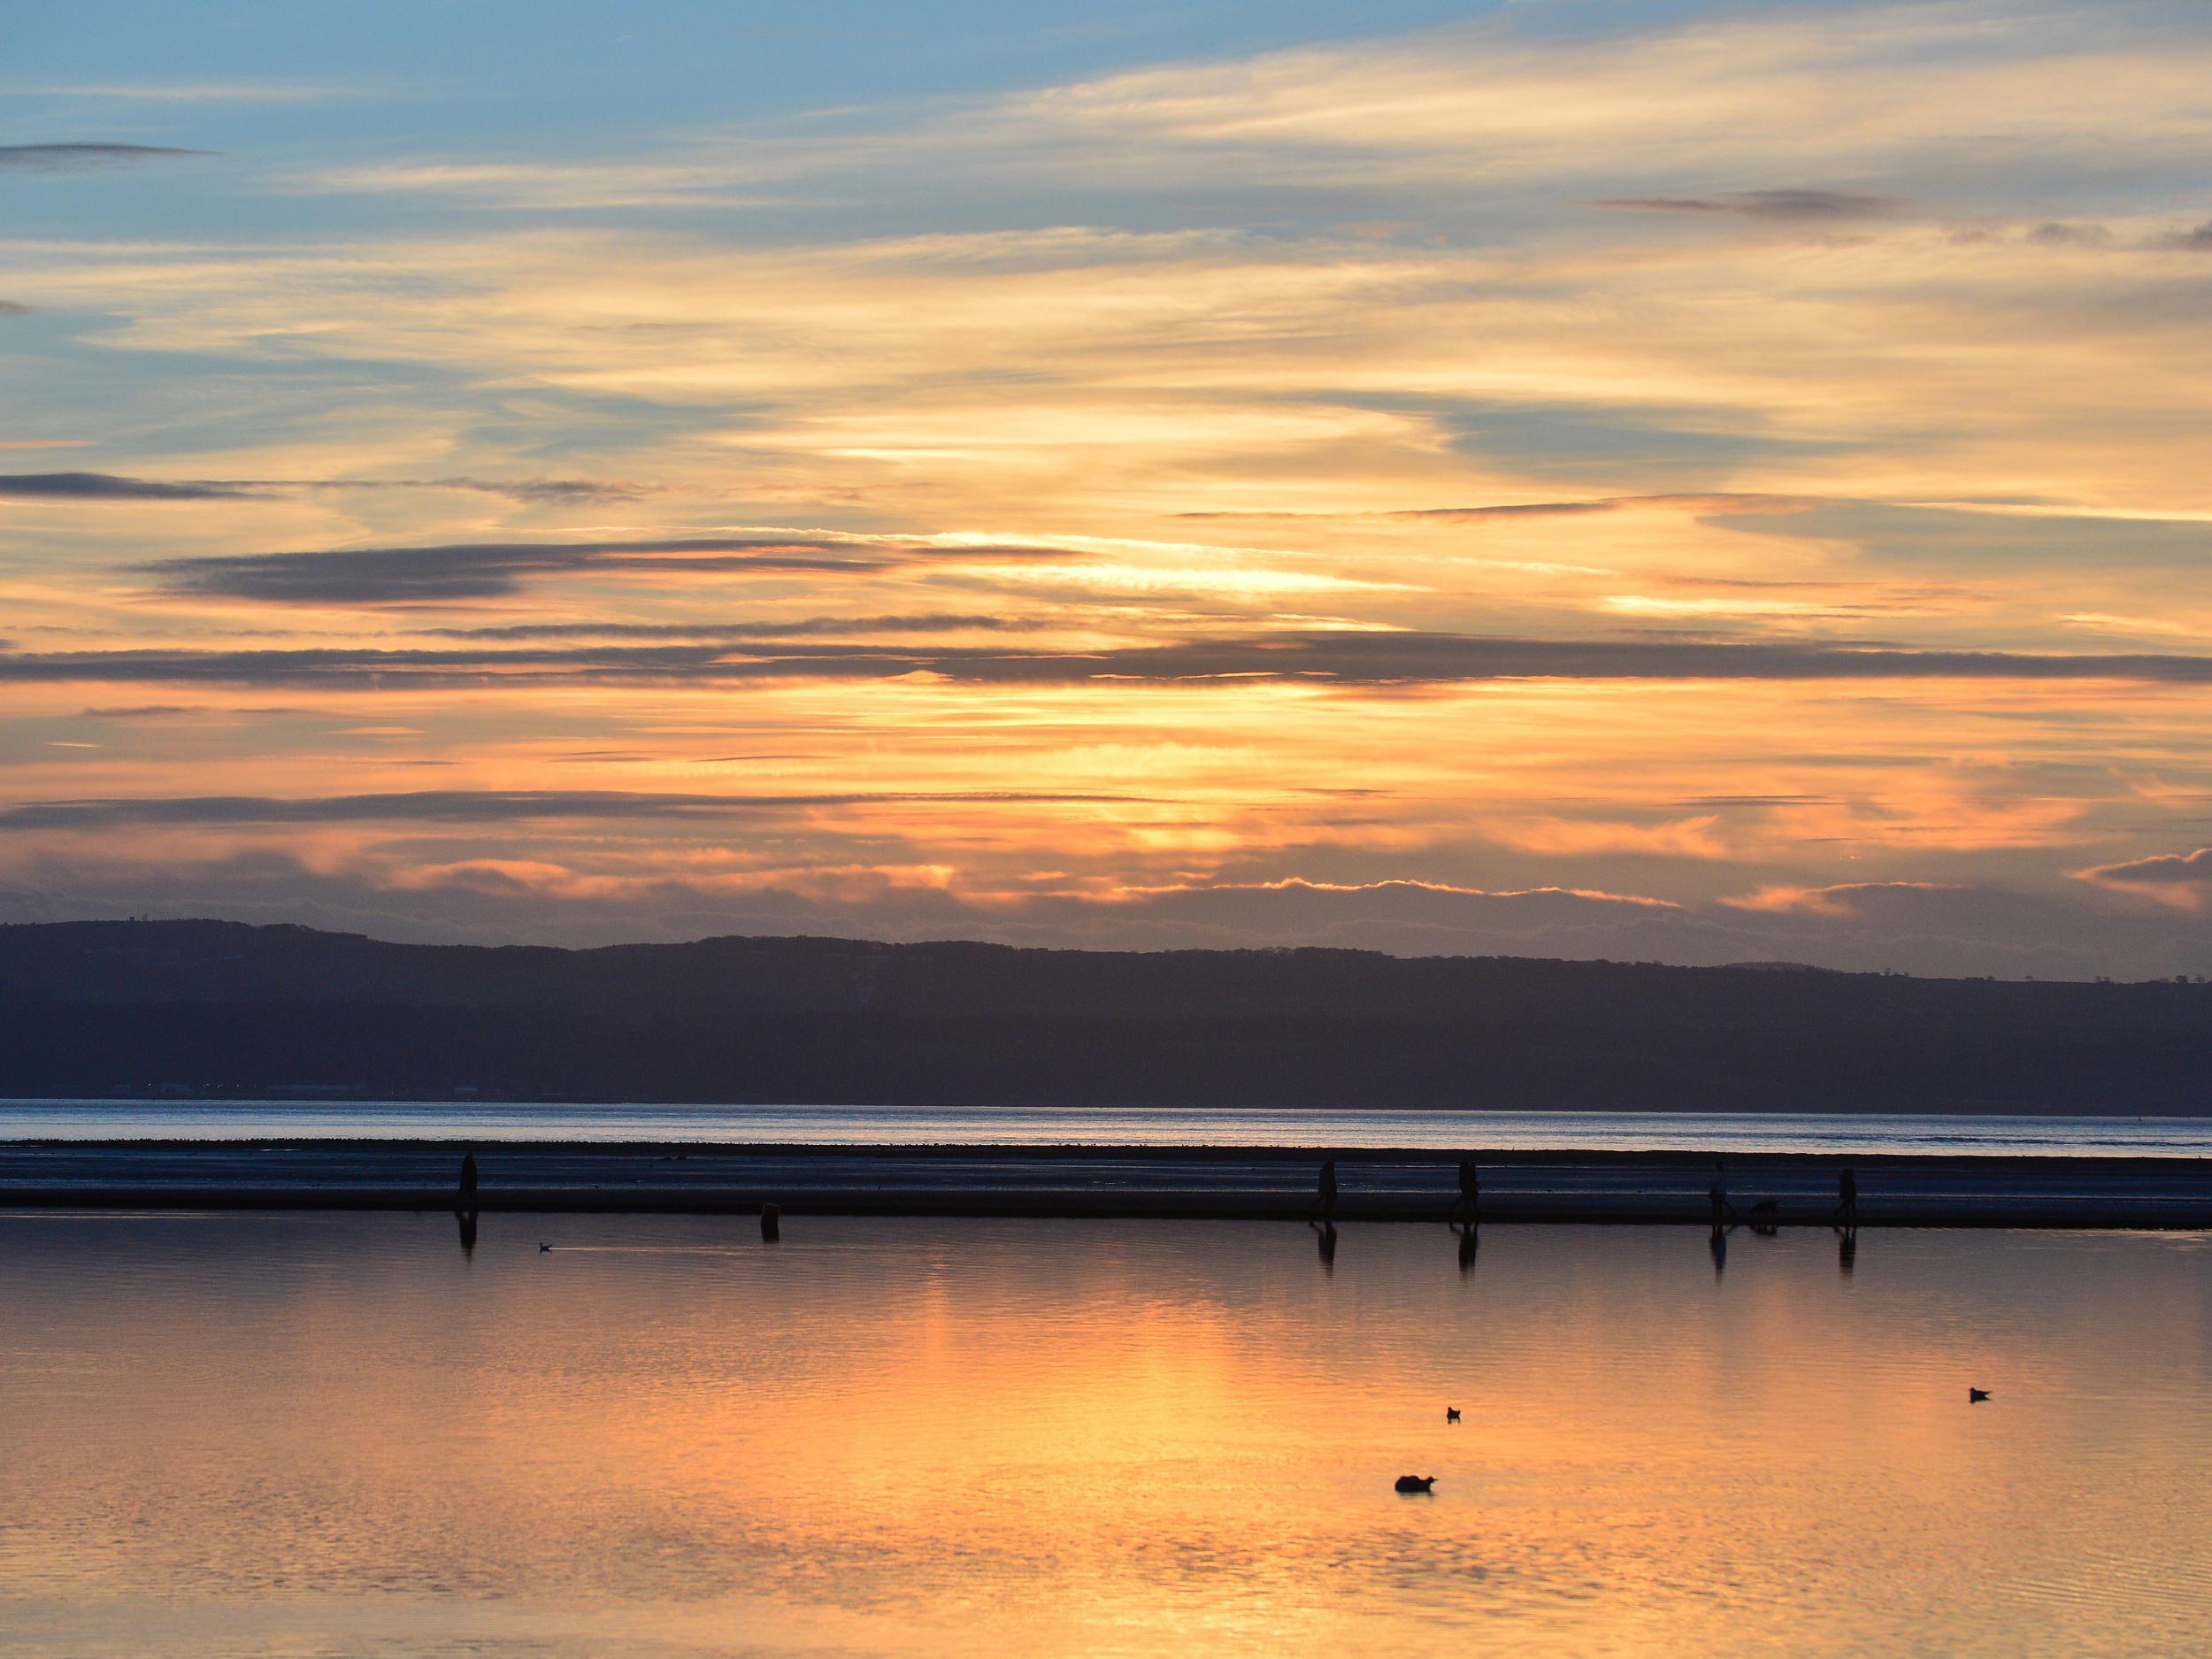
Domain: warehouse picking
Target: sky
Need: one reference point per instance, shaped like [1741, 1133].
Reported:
[1663, 482]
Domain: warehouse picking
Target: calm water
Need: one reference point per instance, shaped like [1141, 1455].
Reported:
[1075, 1125]
[340, 1435]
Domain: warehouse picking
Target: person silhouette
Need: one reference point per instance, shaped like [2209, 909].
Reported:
[468, 1174]
[1327, 1185]
[1470, 1188]
[1848, 1198]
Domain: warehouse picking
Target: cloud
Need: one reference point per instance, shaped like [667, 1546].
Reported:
[483, 570]
[464, 806]
[2181, 880]
[1714, 503]
[2053, 234]
[796, 627]
[1838, 899]
[83, 157]
[1323, 658]
[2199, 238]
[197, 92]
[10, 308]
[108, 486]
[460, 572]
[1795, 204]
[535, 491]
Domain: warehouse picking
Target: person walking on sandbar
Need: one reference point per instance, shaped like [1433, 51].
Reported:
[1848, 1199]
[1717, 1195]
[1327, 1186]
[1470, 1188]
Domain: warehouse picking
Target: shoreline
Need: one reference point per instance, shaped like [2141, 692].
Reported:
[1133, 1182]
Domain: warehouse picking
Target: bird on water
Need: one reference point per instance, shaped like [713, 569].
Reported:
[1975, 1396]
[1415, 1483]
[1451, 1414]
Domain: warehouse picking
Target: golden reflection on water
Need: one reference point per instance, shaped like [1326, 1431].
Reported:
[341, 1434]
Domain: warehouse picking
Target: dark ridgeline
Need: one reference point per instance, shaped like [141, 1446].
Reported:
[214, 1007]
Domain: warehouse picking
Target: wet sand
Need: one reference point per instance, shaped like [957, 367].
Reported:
[1376, 1184]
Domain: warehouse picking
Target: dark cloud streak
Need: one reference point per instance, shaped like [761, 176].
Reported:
[83, 157]
[797, 627]
[492, 570]
[111, 487]
[471, 806]
[1800, 205]
[1329, 657]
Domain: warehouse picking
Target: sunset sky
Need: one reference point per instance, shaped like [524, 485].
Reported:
[1650, 480]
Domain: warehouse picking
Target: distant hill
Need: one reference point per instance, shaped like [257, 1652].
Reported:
[147, 1008]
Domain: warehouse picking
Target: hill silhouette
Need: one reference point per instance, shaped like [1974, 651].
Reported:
[221, 1008]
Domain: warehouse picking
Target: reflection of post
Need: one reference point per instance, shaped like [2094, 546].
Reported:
[770, 1223]
[1720, 1251]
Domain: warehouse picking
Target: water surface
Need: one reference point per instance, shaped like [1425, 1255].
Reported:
[323, 1434]
[1085, 1125]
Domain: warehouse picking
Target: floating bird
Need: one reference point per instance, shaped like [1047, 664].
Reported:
[1451, 1414]
[542, 1248]
[1415, 1483]
[1975, 1396]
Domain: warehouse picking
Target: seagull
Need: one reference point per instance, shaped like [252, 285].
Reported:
[1415, 1483]
[542, 1248]
[1975, 1396]
[1451, 1414]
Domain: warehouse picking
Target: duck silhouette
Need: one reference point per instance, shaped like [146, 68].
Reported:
[1415, 1483]
[542, 1248]
[1451, 1414]
[1975, 1396]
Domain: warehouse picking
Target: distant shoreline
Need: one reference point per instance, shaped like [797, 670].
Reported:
[114, 1011]
[1376, 1184]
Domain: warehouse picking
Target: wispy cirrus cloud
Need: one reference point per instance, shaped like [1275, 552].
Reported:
[196, 91]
